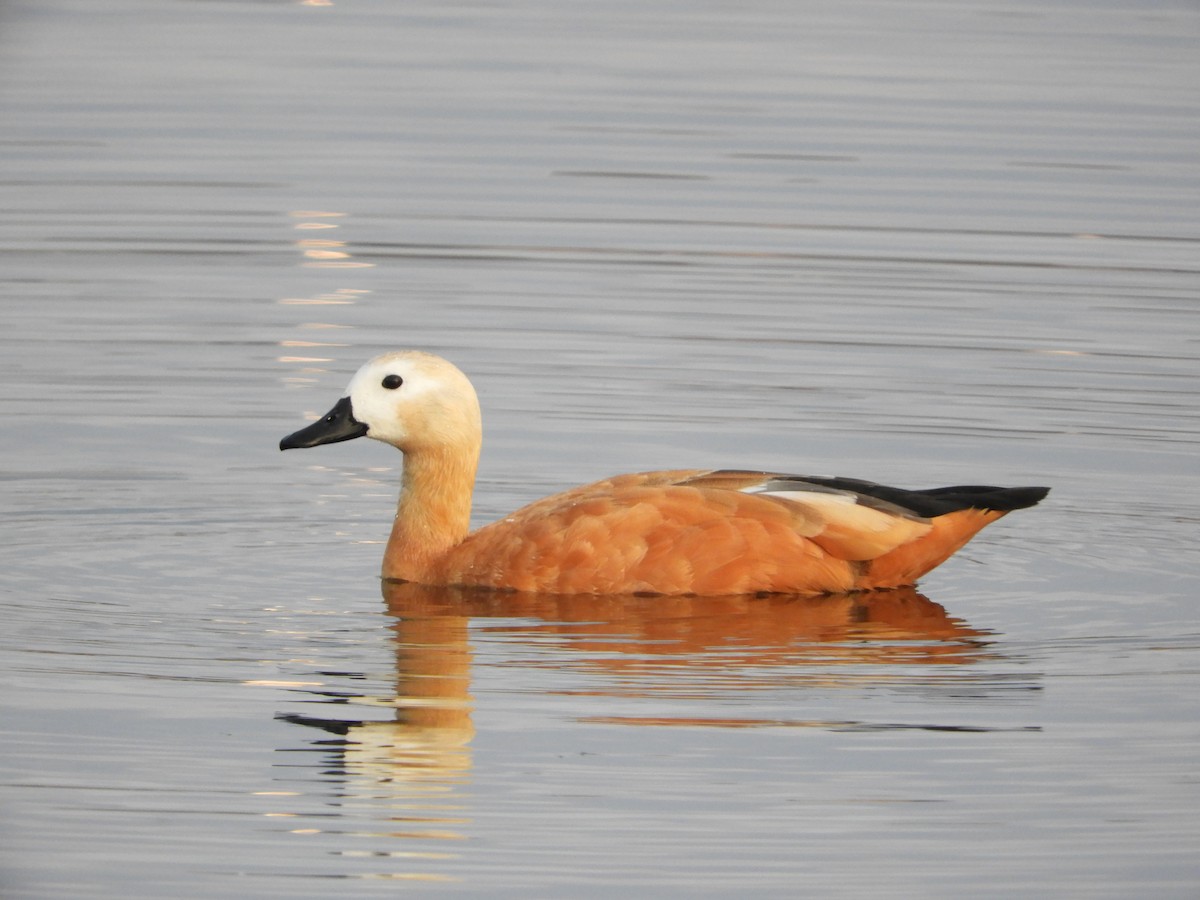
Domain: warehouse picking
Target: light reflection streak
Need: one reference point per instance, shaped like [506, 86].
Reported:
[324, 254]
[317, 253]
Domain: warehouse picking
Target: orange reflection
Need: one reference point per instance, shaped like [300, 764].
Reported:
[415, 766]
[896, 626]
[693, 647]
[649, 645]
[417, 763]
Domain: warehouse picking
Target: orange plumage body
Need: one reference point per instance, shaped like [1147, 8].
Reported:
[692, 532]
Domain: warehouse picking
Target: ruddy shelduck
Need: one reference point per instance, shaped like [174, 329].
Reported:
[687, 531]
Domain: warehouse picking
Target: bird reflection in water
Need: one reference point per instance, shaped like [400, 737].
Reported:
[417, 761]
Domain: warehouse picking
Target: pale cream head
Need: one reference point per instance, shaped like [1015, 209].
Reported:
[416, 401]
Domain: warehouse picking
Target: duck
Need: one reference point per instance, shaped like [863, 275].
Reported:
[699, 532]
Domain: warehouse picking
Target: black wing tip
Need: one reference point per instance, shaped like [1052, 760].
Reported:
[932, 502]
[998, 499]
[1021, 497]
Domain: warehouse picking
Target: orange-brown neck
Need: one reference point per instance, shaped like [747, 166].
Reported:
[434, 513]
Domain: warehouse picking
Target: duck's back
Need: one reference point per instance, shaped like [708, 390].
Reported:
[716, 532]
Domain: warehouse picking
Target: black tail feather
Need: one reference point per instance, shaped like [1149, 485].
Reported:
[1001, 499]
[932, 502]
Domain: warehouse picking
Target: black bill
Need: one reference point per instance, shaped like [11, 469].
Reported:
[338, 424]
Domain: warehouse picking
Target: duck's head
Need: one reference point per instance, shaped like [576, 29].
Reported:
[408, 399]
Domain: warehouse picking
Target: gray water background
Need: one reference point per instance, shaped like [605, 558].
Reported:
[922, 243]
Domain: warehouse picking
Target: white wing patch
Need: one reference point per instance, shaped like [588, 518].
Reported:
[852, 530]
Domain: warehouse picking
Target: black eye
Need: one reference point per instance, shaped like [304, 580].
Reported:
[391, 382]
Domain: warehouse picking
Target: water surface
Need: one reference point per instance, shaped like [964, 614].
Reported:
[922, 244]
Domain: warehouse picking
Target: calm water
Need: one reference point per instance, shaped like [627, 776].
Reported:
[918, 243]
